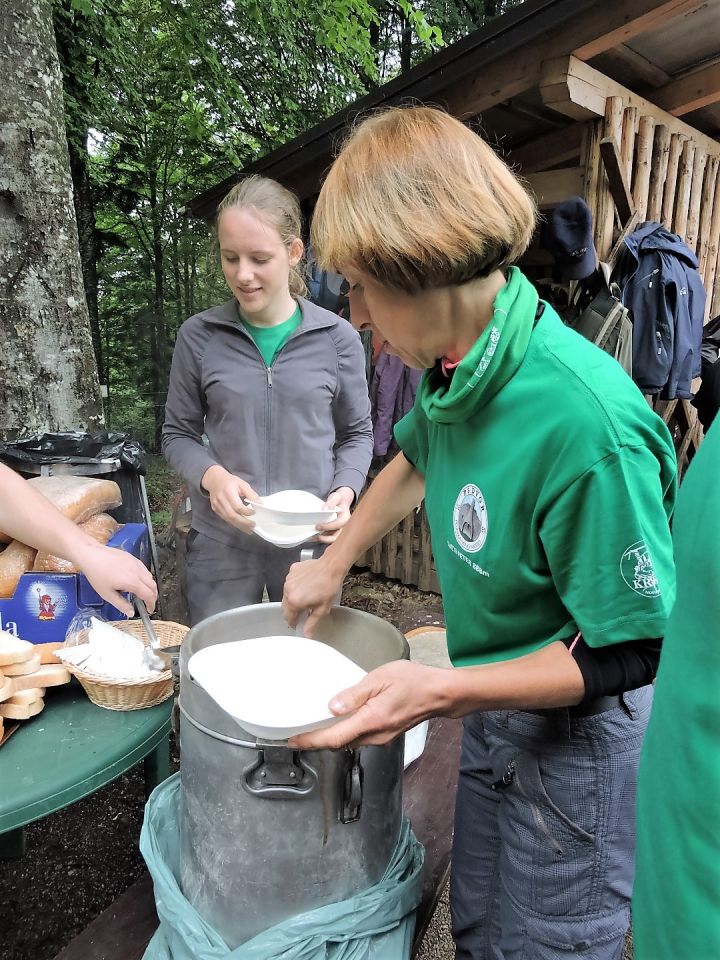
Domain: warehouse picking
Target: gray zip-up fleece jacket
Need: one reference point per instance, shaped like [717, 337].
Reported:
[301, 424]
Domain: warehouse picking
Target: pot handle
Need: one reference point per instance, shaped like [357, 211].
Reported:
[279, 773]
[353, 788]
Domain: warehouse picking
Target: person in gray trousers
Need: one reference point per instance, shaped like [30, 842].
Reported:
[267, 393]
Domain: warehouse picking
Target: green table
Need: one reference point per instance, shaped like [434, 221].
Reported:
[70, 750]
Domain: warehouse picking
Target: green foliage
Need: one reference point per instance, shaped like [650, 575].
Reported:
[165, 98]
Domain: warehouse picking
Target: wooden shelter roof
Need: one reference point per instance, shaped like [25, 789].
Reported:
[531, 74]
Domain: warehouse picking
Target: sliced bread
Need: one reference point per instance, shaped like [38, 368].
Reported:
[14, 650]
[27, 696]
[21, 711]
[48, 675]
[21, 669]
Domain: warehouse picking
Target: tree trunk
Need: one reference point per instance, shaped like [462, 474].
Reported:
[49, 380]
[88, 242]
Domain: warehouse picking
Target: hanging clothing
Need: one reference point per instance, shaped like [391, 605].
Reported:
[392, 393]
[661, 286]
[707, 399]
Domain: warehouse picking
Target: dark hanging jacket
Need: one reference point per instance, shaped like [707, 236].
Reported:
[661, 287]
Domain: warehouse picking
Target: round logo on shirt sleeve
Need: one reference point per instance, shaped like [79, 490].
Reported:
[470, 519]
[637, 570]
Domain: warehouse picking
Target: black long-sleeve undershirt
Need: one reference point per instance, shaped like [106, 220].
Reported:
[616, 668]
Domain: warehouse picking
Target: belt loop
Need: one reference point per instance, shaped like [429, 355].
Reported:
[628, 706]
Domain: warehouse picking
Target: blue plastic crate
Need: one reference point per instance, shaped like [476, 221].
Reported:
[43, 604]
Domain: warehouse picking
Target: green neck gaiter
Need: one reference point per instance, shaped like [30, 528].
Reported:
[491, 362]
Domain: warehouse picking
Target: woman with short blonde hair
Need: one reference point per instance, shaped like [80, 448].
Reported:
[455, 213]
[548, 485]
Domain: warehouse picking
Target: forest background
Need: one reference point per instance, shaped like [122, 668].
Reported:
[165, 98]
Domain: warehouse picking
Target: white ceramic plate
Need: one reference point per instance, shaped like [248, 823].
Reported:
[275, 687]
[295, 503]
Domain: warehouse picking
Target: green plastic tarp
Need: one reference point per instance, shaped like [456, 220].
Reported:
[376, 924]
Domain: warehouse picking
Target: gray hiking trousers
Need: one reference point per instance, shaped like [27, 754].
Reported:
[543, 852]
[221, 577]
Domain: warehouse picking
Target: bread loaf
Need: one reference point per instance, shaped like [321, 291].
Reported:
[6, 687]
[15, 560]
[78, 498]
[100, 527]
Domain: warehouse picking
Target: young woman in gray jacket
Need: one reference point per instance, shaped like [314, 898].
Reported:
[267, 393]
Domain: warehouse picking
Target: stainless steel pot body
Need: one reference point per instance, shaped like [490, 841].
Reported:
[268, 832]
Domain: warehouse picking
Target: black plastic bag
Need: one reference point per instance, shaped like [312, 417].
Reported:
[74, 448]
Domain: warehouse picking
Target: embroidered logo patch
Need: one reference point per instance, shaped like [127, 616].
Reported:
[470, 519]
[637, 570]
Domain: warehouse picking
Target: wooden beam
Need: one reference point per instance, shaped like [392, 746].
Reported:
[624, 58]
[519, 70]
[635, 25]
[577, 90]
[691, 92]
[619, 189]
[548, 150]
[554, 186]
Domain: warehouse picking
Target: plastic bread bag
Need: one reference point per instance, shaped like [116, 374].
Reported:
[15, 560]
[77, 498]
[101, 527]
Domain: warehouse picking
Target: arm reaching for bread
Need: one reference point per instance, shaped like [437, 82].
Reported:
[28, 516]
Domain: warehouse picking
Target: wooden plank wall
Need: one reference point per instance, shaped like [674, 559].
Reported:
[404, 553]
[675, 181]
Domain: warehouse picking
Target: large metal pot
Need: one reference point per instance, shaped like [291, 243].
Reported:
[268, 832]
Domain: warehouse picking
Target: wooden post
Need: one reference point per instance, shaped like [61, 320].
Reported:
[391, 546]
[671, 177]
[627, 147]
[696, 191]
[682, 205]
[713, 251]
[606, 207]
[706, 210]
[646, 131]
[590, 162]
[425, 578]
[658, 172]
[408, 529]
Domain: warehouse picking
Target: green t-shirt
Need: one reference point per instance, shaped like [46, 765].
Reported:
[676, 900]
[271, 340]
[549, 484]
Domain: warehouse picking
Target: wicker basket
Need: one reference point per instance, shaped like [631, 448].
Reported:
[119, 694]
